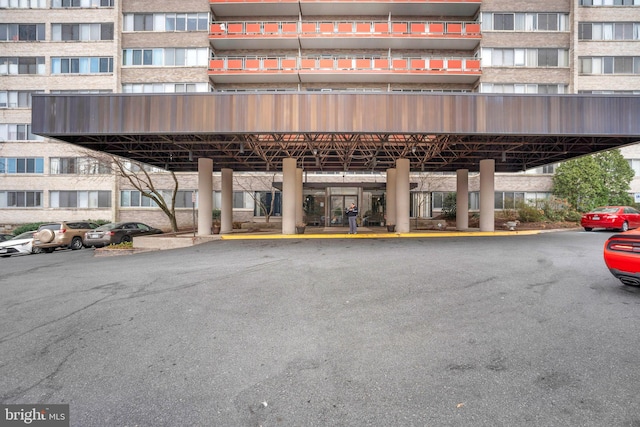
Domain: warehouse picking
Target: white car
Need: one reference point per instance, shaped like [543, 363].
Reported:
[19, 245]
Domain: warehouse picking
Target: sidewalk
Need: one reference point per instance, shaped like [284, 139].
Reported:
[173, 241]
[368, 233]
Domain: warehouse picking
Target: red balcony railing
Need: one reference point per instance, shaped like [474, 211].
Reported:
[285, 29]
[424, 2]
[229, 64]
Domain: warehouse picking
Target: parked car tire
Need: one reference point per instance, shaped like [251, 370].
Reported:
[625, 226]
[36, 250]
[48, 250]
[76, 244]
[125, 239]
[588, 229]
[46, 235]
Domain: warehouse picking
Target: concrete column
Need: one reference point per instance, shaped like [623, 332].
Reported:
[462, 199]
[487, 195]
[289, 196]
[403, 191]
[226, 214]
[391, 197]
[205, 196]
[299, 207]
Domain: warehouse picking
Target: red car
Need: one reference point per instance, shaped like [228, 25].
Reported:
[622, 256]
[611, 217]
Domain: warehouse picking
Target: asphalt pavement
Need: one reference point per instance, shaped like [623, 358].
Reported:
[521, 330]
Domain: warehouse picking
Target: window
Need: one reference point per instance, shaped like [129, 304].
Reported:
[263, 200]
[635, 165]
[549, 169]
[22, 65]
[530, 21]
[134, 199]
[438, 198]
[508, 199]
[547, 57]
[17, 165]
[166, 57]
[609, 31]
[23, 4]
[16, 99]
[495, 57]
[609, 65]
[522, 88]
[241, 200]
[503, 21]
[78, 165]
[20, 199]
[166, 22]
[81, 32]
[21, 32]
[17, 132]
[80, 199]
[547, 22]
[609, 2]
[184, 199]
[84, 65]
[81, 3]
[165, 87]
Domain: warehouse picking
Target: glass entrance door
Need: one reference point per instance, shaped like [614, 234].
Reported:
[338, 206]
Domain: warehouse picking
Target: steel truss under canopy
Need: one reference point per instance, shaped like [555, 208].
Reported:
[347, 132]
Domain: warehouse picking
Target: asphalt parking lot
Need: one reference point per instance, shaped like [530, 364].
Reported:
[474, 331]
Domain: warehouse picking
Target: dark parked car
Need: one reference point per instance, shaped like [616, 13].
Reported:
[611, 217]
[117, 232]
[622, 256]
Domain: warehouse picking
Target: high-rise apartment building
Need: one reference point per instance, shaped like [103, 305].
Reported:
[137, 46]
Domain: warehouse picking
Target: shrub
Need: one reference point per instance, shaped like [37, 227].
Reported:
[99, 221]
[528, 213]
[123, 245]
[573, 216]
[27, 227]
[449, 206]
[555, 209]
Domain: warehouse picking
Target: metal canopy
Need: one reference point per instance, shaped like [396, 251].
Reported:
[341, 131]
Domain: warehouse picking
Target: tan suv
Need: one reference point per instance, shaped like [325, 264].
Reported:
[61, 235]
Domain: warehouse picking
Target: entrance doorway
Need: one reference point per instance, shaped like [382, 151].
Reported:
[338, 206]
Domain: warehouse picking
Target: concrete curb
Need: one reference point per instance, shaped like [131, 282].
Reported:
[379, 235]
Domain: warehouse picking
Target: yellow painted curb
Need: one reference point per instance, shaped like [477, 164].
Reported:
[377, 235]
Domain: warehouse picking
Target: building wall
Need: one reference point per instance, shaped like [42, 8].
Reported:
[112, 82]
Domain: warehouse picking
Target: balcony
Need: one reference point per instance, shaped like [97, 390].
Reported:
[450, 35]
[466, 8]
[344, 69]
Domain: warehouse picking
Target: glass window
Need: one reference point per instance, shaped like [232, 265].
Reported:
[503, 21]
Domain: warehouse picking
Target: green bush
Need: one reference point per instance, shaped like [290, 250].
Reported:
[99, 221]
[528, 213]
[573, 216]
[449, 206]
[27, 227]
[555, 209]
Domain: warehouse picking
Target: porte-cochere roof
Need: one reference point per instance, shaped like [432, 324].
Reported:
[341, 131]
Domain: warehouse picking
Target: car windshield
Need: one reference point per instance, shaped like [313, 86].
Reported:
[107, 227]
[27, 235]
[605, 210]
[50, 227]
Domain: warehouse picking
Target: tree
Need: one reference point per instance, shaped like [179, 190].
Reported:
[265, 203]
[618, 174]
[138, 176]
[595, 180]
[141, 177]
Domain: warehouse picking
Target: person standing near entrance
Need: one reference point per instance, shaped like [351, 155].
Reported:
[352, 213]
